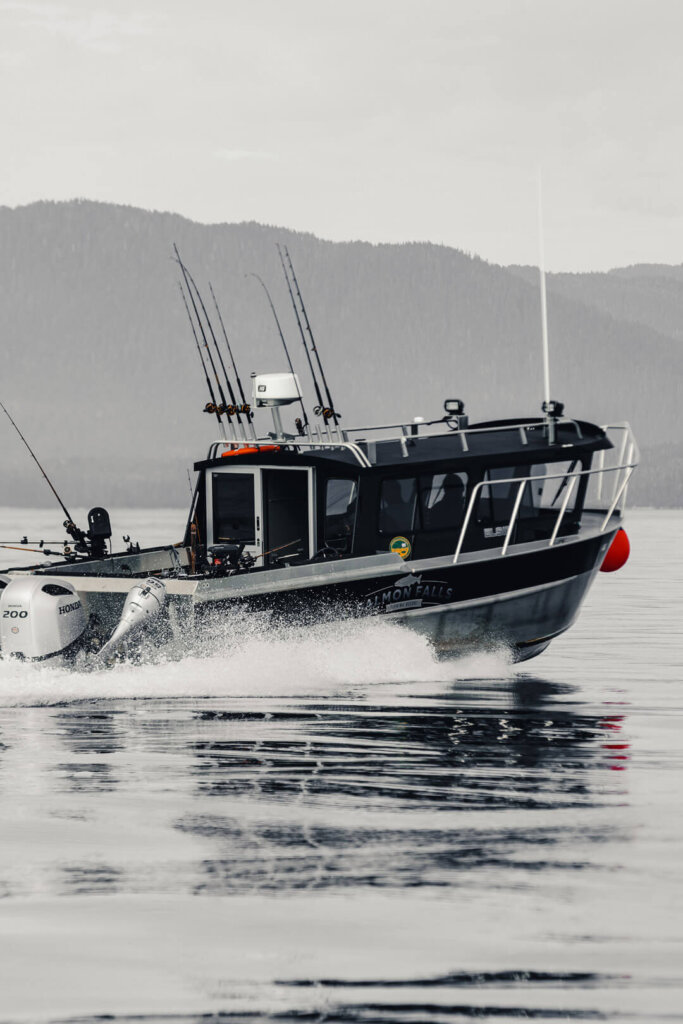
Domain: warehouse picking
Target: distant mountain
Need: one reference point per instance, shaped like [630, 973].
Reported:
[650, 296]
[100, 370]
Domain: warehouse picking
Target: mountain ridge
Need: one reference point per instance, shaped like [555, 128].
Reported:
[97, 345]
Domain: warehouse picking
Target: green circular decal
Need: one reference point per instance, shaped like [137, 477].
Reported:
[400, 546]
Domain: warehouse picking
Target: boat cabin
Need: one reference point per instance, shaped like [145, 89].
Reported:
[422, 490]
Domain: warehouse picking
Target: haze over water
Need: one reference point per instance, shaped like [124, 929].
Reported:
[329, 824]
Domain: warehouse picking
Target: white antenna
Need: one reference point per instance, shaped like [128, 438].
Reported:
[544, 314]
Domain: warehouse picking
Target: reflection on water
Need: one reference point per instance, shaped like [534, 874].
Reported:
[481, 791]
[308, 795]
[412, 770]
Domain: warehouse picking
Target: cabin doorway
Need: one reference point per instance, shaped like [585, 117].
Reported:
[236, 509]
[286, 514]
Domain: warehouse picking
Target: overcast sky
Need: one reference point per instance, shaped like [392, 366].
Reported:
[384, 120]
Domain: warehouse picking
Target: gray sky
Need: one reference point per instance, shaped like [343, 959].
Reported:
[385, 120]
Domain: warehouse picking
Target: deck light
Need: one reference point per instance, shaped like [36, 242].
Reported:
[553, 408]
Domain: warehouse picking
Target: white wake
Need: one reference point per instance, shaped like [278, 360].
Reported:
[249, 657]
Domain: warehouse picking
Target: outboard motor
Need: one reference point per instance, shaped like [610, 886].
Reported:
[143, 603]
[39, 618]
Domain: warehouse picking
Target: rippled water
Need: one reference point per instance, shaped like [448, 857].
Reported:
[331, 825]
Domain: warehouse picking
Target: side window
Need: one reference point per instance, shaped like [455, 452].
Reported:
[341, 500]
[233, 508]
[398, 506]
[442, 500]
[542, 496]
[546, 489]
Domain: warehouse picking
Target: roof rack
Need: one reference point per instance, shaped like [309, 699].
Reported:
[295, 444]
[401, 432]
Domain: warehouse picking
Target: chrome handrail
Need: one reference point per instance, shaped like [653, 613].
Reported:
[402, 437]
[462, 431]
[622, 489]
[350, 446]
[513, 517]
[563, 509]
[627, 467]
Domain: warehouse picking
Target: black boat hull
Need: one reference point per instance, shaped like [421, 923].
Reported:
[520, 601]
[525, 621]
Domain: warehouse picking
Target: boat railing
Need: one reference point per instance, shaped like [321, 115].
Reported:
[611, 482]
[401, 432]
[450, 425]
[267, 444]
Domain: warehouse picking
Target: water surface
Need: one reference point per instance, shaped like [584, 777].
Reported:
[332, 825]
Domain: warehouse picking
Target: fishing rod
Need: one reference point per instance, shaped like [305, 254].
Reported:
[262, 554]
[303, 426]
[223, 408]
[233, 409]
[24, 541]
[321, 404]
[329, 412]
[246, 408]
[281, 547]
[186, 276]
[70, 527]
[212, 406]
[35, 551]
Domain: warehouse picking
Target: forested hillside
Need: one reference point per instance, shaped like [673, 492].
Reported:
[100, 370]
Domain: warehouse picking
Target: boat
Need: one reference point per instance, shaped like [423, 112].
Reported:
[476, 535]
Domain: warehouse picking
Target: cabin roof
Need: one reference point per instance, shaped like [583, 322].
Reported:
[495, 443]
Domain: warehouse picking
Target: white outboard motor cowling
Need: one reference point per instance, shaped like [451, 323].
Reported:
[39, 617]
[143, 603]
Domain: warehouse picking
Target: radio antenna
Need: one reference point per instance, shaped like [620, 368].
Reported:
[328, 413]
[547, 405]
[69, 525]
[260, 280]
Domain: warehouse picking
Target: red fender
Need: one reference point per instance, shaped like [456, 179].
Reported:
[617, 553]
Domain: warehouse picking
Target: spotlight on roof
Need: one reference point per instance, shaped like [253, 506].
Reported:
[553, 408]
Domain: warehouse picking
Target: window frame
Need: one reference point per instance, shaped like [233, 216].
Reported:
[355, 484]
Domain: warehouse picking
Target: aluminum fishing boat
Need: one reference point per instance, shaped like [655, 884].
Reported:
[474, 535]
